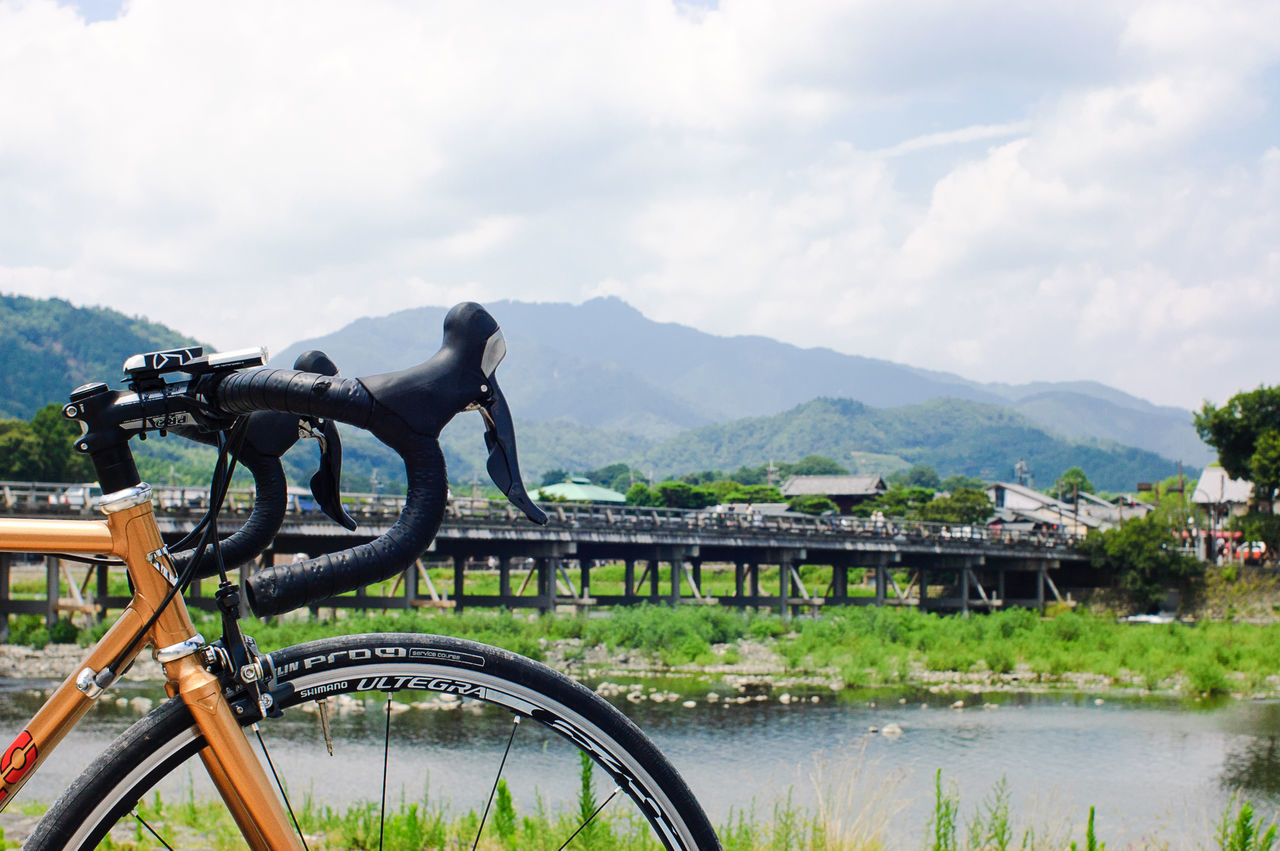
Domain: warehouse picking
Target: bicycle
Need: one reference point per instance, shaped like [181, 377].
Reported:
[219, 689]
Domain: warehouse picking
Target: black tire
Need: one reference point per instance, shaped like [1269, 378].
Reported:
[392, 663]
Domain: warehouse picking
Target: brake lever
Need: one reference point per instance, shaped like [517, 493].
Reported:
[503, 466]
[326, 484]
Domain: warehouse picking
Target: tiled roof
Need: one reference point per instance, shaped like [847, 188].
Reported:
[833, 485]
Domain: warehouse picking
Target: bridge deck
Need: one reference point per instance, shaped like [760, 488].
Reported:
[491, 556]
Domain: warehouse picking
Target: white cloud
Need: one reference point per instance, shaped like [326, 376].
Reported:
[1017, 191]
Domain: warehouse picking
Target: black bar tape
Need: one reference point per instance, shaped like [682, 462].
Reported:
[284, 587]
[303, 393]
[270, 500]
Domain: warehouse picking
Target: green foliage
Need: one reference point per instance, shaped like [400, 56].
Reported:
[1071, 480]
[815, 465]
[1091, 842]
[1143, 554]
[1239, 431]
[684, 495]
[918, 476]
[504, 815]
[811, 504]
[641, 494]
[586, 799]
[964, 506]
[48, 348]
[554, 477]
[1259, 527]
[898, 501]
[951, 484]
[1245, 832]
[41, 450]
[945, 822]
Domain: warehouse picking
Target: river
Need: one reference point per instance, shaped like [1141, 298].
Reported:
[1156, 768]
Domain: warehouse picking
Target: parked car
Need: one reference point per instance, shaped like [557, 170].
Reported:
[79, 496]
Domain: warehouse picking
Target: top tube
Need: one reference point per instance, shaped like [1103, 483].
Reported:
[21, 535]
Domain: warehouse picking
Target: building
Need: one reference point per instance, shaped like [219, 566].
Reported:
[579, 489]
[844, 491]
[1019, 504]
[1221, 496]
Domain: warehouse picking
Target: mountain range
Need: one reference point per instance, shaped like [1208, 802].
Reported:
[603, 365]
[598, 382]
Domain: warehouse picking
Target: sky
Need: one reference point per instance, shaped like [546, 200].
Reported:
[1010, 191]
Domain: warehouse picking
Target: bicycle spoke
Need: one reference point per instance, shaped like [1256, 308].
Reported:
[386, 749]
[149, 828]
[591, 818]
[279, 785]
[515, 724]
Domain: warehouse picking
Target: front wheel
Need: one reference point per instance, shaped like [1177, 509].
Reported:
[420, 712]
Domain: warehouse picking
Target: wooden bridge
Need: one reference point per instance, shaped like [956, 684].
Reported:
[487, 555]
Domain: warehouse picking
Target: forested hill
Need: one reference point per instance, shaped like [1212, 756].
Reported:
[951, 435]
[49, 347]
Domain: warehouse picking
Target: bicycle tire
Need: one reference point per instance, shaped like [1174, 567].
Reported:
[392, 663]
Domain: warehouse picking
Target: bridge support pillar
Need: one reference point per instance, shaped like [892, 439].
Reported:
[964, 587]
[459, 581]
[410, 584]
[1040, 570]
[546, 584]
[676, 559]
[784, 585]
[584, 582]
[629, 578]
[881, 569]
[924, 590]
[504, 576]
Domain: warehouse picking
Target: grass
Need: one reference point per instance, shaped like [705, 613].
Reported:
[862, 645]
[993, 825]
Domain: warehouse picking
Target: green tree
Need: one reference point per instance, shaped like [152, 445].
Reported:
[898, 501]
[1073, 478]
[815, 465]
[966, 506]
[1144, 556]
[951, 484]
[554, 477]
[21, 453]
[919, 476]
[57, 434]
[1264, 463]
[684, 495]
[641, 494]
[754, 493]
[811, 504]
[1235, 430]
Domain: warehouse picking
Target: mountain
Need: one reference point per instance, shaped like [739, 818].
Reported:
[597, 383]
[604, 365]
[49, 347]
[950, 435]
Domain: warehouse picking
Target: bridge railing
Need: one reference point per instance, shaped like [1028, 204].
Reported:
[40, 497]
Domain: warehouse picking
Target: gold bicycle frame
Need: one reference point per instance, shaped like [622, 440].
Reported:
[130, 533]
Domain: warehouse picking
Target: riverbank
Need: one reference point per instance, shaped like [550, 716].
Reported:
[1015, 651]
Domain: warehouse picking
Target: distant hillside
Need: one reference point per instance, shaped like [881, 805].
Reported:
[604, 365]
[49, 347]
[951, 435]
